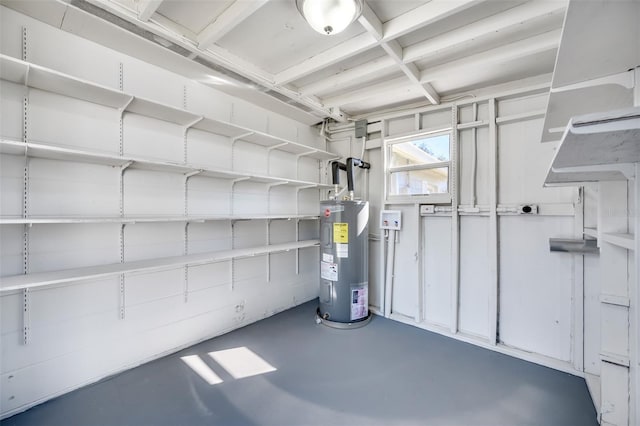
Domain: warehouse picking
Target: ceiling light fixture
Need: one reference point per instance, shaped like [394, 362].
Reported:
[330, 17]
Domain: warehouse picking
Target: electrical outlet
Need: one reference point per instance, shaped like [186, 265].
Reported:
[528, 209]
[427, 209]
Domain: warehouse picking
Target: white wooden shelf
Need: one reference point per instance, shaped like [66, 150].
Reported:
[563, 105]
[591, 232]
[597, 147]
[592, 67]
[617, 359]
[63, 153]
[144, 219]
[38, 77]
[611, 299]
[621, 240]
[42, 279]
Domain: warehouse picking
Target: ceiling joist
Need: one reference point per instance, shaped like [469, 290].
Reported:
[347, 77]
[496, 23]
[509, 52]
[146, 8]
[371, 91]
[397, 27]
[482, 28]
[228, 20]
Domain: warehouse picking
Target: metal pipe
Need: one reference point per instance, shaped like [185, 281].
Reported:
[388, 281]
[474, 156]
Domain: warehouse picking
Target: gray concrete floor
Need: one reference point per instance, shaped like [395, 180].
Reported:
[386, 373]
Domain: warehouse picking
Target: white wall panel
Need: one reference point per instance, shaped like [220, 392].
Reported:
[308, 200]
[523, 165]
[536, 285]
[150, 138]
[248, 115]
[475, 277]
[11, 184]
[615, 394]
[208, 102]
[207, 196]
[11, 110]
[436, 119]
[406, 279]
[74, 246]
[522, 105]
[592, 314]
[209, 236]
[61, 120]
[465, 146]
[248, 157]
[11, 32]
[283, 164]
[151, 240]
[282, 200]
[64, 52]
[250, 198]
[11, 247]
[66, 188]
[202, 277]
[153, 193]
[436, 240]
[144, 81]
[209, 149]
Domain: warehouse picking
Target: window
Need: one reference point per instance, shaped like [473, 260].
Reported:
[419, 167]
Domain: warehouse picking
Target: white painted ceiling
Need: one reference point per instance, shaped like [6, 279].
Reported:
[399, 52]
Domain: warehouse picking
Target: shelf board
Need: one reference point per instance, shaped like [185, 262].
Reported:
[42, 78]
[604, 138]
[621, 240]
[42, 279]
[219, 127]
[591, 232]
[48, 80]
[597, 41]
[145, 219]
[610, 299]
[570, 178]
[566, 104]
[161, 112]
[13, 70]
[64, 153]
[617, 359]
[597, 147]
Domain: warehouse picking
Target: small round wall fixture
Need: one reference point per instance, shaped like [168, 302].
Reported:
[330, 17]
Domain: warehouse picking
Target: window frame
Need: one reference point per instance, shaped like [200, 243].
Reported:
[439, 198]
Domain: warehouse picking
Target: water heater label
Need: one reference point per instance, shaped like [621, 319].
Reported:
[342, 250]
[340, 232]
[359, 303]
[326, 257]
[329, 271]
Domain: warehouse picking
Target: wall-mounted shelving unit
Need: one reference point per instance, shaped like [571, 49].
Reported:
[52, 152]
[597, 147]
[41, 78]
[594, 112]
[42, 279]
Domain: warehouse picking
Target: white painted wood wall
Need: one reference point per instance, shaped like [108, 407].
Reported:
[76, 336]
[523, 305]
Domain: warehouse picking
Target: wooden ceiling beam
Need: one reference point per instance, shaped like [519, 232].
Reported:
[424, 15]
[227, 21]
[146, 8]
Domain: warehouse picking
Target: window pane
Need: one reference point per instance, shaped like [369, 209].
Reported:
[420, 151]
[420, 182]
